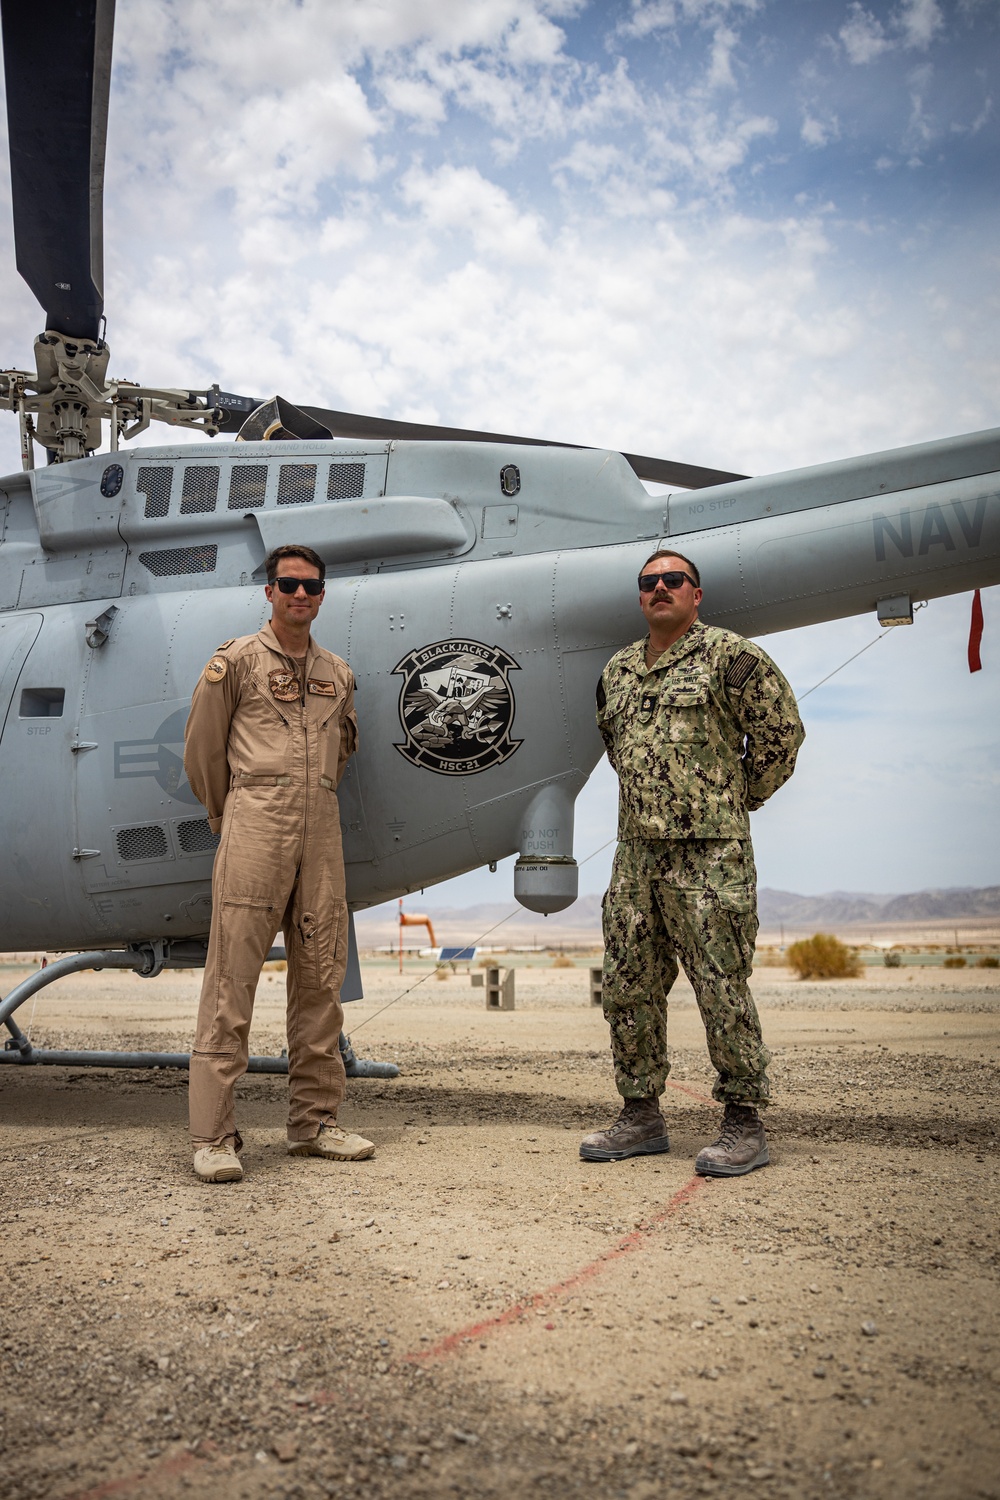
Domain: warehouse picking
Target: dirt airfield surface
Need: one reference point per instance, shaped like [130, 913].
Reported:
[476, 1311]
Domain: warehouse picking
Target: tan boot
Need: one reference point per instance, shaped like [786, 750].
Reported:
[639, 1130]
[335, 1144]
[741, 1147]
[218, 1163]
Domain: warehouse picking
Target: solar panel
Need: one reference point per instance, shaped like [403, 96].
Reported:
[456, 955]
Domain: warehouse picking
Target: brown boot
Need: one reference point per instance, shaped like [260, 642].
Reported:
[741, 1147]
[639, 1130]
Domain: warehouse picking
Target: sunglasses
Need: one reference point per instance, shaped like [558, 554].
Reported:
[648, 581]
[312, 586]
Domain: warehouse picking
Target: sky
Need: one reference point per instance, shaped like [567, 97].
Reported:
[751, 234]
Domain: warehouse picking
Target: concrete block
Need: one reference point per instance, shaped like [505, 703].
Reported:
[499, 992]
[596, 986]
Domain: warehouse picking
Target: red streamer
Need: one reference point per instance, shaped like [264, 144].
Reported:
[976, 634]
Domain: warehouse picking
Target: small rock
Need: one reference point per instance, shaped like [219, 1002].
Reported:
[285, 1449]
[869, 1329]
[813, 1287]
[630, 1450]
[163, 1363]
[443, 1286]
[819, 1373]
[687, 1449]
[382, 1368]
[760, 1471]
[678, 1398]
[710, 1374]
[368, 1223]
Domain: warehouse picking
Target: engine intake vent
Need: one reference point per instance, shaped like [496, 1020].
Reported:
[195, 836]
[142, 843]
[346, 482]
[175, 560]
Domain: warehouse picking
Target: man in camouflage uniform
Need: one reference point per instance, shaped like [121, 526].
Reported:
[701, 728]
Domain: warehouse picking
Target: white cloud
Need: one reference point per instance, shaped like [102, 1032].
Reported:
[919, 22]
[819, 133]
[863, 35]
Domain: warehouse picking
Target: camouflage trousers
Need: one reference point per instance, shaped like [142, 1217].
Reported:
[693, 902]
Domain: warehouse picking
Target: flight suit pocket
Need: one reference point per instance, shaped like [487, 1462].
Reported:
[249, 925]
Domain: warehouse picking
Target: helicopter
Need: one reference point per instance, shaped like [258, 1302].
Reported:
[477, 583]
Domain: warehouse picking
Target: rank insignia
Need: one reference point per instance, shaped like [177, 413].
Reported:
[284, 686]
[648, 703]
[216, 669]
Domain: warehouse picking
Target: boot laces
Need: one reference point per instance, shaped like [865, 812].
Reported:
[734, 1127]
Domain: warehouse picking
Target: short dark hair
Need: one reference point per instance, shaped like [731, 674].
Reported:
[307, 554]
[669, 552]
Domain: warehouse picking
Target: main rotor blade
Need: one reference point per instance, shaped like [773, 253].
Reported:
[57, 64]
[658, 470]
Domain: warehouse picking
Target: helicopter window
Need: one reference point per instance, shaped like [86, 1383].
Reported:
[173, 560]
[201, 489]
[142, 843]
[42, 703]
[346, 482]
[247, 486]
[155, 485]
[296, 484]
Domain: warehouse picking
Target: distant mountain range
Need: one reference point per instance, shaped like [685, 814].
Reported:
[836, 909]
[957, 903]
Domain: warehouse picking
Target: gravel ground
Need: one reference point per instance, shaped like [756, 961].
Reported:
[475, 1311]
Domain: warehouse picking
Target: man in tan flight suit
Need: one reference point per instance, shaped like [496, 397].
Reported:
[271, 729]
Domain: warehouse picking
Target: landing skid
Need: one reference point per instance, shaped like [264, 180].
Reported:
[147, 960]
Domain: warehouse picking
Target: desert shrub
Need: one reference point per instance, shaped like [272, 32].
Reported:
[892, 959]
[988, 962]
[562, 962]
[823, 957]
[955, 962]
[442, 971]
[768, 958]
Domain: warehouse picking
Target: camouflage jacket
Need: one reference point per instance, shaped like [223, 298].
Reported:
[698, 740]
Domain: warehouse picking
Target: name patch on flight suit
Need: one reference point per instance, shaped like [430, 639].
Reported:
[284, 686]
[325, 689]
[216, 669]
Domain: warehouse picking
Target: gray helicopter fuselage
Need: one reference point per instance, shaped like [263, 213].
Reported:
[476, 606]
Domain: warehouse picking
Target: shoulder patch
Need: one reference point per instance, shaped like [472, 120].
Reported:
[226, 644]
[602, 696]
[216, 669]
[741, 669]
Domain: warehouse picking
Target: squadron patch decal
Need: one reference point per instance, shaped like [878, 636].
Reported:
[741, 669]
[216, 669]
[284, 686]
[456, 707]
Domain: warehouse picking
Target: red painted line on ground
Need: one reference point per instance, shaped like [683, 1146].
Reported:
[453, 1342]
[153, 1472]
[682, 1088]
